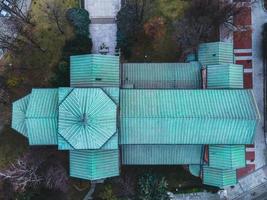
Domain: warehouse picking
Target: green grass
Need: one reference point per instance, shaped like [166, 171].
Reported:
[12, 146]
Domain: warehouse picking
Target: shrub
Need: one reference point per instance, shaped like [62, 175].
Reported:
[77, 46]
[79, 19]
[108, 194]
[152, 187]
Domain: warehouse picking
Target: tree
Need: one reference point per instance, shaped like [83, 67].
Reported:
[18, 28]
[152, 187]
[76, 46]
[130, 20]
[81, 43]
[171, 9]
[79, 19]
[202, 19]
[36, 169]
[56, 14]
[155, 28]
[108, 194]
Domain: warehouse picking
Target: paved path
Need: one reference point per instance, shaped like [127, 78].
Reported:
[103, 28]
[196, 196]
[248, 186]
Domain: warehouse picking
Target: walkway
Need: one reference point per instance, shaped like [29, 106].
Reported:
[249, 186]
[196, 196]
[103, 27]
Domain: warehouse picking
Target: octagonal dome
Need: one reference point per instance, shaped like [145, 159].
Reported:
[87, 118]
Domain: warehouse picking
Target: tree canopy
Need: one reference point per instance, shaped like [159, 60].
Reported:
[79, 18]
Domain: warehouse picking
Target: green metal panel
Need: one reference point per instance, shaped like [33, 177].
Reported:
[218, 177]
[113, 93]
[63, 144]
[194, 170]
[161, 154]
[87, 118]
[191, 57]
[43, 103]
[94, 164]
[215, 53]
[227, 156]
[41, 117]
[112, 143]
[225, 76]
[94, 70]
[188, 116]
[42, 131]
[19, 109]
[161, 75]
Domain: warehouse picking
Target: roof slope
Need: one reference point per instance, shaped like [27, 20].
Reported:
[42, 116]
[161, 154]
[225, 76]
[188, 116]
[227, 156]
[161, 75]
[94, 70]
[215, 53]
[219, 177]
[94, 164]
[19, 109]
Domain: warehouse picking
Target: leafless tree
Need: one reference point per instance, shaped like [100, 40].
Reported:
[22, 174]
[203, 18]
[17, 28]
[36, 168]
[18, 10]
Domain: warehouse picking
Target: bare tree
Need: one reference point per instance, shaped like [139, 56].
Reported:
[17, 29]
[203, 18]
[22, 174]
[36, 168]
[18, 10]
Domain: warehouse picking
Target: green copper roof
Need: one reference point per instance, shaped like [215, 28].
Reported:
[227, 156]
[19, 109]
[112, 143]
[188, 116]
[87, 118]
[194, 170]
[161, 154]
[225, 76]
[215, 53]
[94, 164]
[41, 117]
[161, 75]
[94, 70]
[218, 177]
